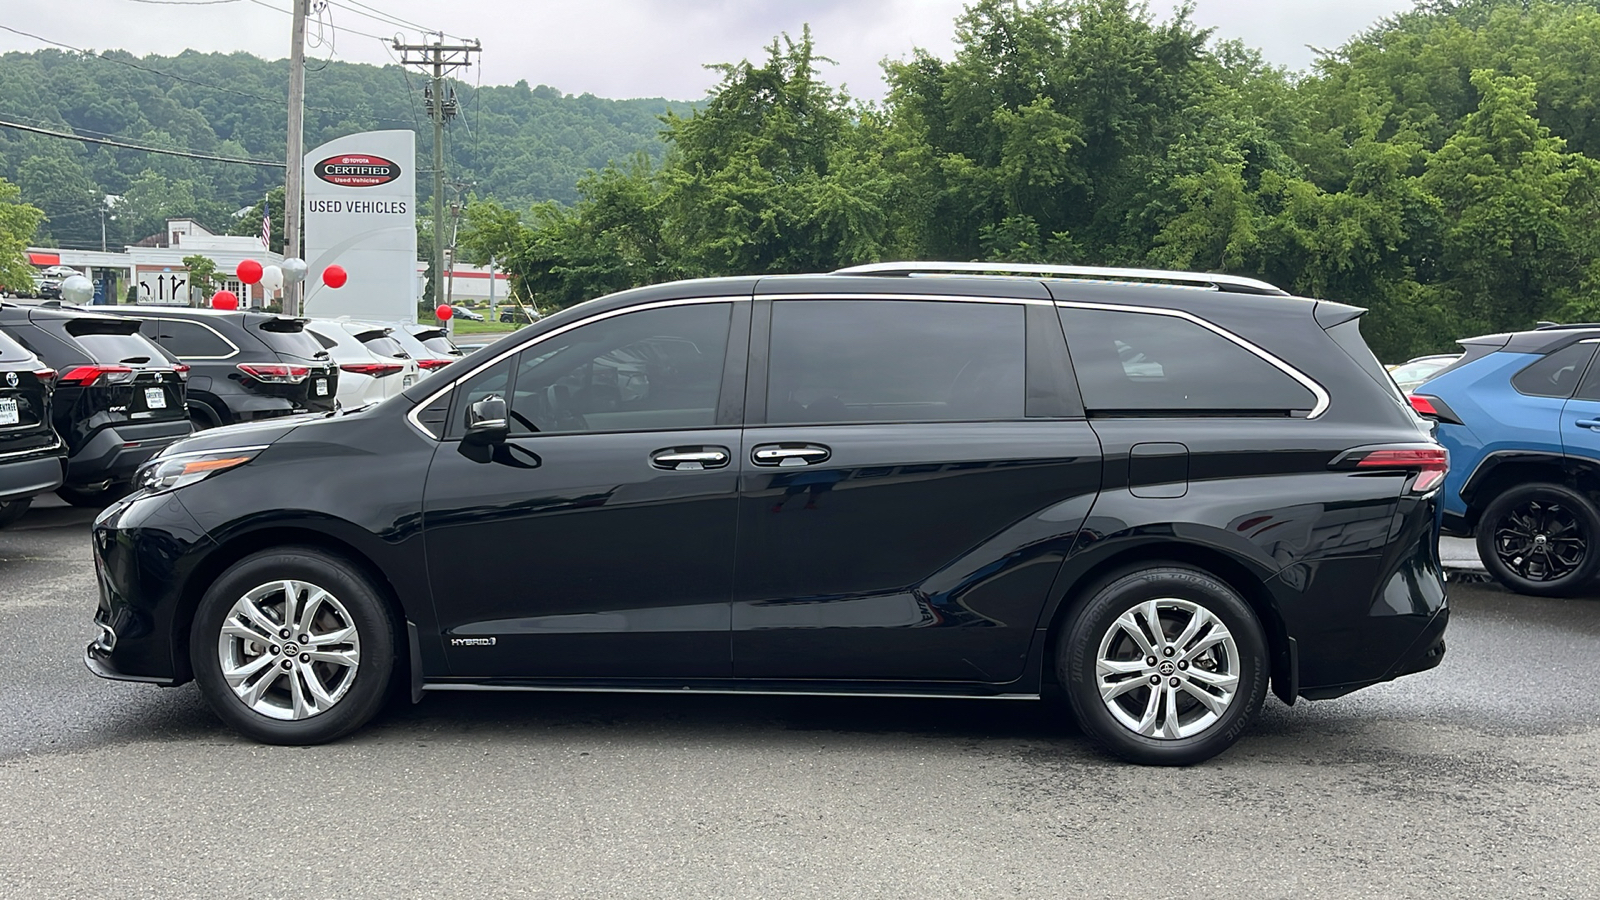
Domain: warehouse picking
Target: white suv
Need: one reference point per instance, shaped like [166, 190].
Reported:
[372, 364]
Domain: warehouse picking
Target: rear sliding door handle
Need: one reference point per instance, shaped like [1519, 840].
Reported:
[1588, 423]
[689, 459]
[787, 455]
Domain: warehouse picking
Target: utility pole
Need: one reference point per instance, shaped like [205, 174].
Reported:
[296, 149]
[438, 59]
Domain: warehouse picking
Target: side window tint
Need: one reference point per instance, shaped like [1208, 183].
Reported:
[658, 369]
[1556, 374]
[1142, 363]
[187, 339]
[491, 382]
[895, 361]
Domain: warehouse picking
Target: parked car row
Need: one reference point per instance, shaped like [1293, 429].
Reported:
[89, 395]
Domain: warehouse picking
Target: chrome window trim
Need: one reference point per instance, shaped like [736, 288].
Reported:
[220, 336]
[1303, 379]
[518, 348]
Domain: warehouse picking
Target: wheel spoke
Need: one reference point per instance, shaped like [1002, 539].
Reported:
[319, 691]
[1152, 619]
[1170, 727]
[1152, 706]
[234, 627]
[1211, 701]
[1130, 626]
[291, 599]
[346, 658]
[1198, 621]
[337, 636]
[308, 612]
[1222, 681]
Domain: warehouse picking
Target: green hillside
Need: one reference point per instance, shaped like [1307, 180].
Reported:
[516, 143]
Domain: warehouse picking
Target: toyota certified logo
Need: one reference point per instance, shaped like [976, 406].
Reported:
[11, 379]
[357, 170]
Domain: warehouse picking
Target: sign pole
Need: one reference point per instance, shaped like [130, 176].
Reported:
[296, 165]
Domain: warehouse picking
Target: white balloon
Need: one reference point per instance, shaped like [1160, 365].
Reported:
[294, 270]
[271, 278]
[77, 289]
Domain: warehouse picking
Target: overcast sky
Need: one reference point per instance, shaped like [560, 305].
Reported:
[629, 48]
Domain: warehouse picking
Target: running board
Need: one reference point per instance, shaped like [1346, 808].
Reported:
[753, 692]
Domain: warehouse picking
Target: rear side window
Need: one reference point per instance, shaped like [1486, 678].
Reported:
[895, 361]
[1146, 364]
[438, 342]
[1555, 374]
[188, 340]
[288, 336]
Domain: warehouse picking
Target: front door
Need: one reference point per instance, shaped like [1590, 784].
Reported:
[597, 540]
[901, 515]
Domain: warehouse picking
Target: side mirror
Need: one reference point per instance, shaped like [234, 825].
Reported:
[486, 421]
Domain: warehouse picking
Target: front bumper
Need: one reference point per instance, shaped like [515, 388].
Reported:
[114, 454]
[145, 549]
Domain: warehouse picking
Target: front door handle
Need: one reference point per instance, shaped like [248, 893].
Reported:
[786, 455]
[1588, 423]
[689, 459]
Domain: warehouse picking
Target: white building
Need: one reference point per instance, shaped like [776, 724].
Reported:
[155, 265]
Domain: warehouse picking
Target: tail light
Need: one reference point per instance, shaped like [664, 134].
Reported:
[87, 375]
[1433, 408]
[275, 374]
[182, 371]
[1430, 463]
[431, 364]
[44, 375]
[375, 369]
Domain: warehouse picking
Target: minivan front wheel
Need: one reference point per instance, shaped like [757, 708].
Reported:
[293, 646]
[1540, 539]
[1164, 665]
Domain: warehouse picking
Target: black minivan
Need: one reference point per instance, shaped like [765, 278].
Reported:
[246, 365]
[1163, 491]
[118, 398]
[32, 455]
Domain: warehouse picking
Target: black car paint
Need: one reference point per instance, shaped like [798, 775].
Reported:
[996, 529]
[220, 393]
[32, 455]
[109, 427]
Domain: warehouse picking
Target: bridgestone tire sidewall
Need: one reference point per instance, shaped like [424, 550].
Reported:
[374, 626]
[1080, 644]
[1587, 514]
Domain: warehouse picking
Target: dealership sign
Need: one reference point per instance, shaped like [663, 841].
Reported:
[360, 214]
[357, 170]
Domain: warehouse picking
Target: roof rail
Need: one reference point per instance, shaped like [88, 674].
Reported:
[1558, 326]
[1231, 283]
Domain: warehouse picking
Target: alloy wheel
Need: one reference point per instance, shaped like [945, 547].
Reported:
[1540, 540]
[1167, 669]
[289, 650]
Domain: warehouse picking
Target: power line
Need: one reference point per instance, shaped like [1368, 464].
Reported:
[185, 2]
[289, 12]
[126, 146]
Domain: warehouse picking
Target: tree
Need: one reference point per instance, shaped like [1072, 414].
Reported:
[202, 276]
[18, 222]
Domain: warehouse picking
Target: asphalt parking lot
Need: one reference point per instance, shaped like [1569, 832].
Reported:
[1477, 778]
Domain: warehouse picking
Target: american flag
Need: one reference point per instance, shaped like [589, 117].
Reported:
[266, 224]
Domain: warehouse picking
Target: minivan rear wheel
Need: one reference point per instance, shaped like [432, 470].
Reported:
[1164, 665]
[293, 646]
[1539, 539]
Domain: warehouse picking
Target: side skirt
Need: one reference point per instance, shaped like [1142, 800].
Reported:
[754, 691]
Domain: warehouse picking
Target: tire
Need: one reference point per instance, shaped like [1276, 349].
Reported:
[277, 706]
[1540, 539]
[12, 510]
[1098, 650]
[94, 498]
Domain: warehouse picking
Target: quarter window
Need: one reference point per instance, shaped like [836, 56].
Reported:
[834, 361]
[1131, 363]
[1555, 375]
[186, 340]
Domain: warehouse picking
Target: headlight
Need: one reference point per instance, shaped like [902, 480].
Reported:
[165, 473]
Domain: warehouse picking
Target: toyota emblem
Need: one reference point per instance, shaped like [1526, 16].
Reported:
[11, 379]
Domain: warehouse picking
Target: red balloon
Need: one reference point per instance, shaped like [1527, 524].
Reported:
[335, 276]
[444, 312]
[249, 272]
[225, 299]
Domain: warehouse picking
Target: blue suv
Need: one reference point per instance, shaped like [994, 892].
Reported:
[1520, 415]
